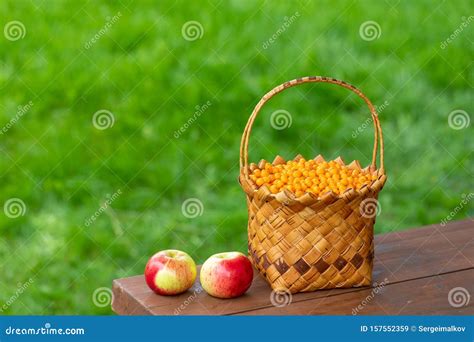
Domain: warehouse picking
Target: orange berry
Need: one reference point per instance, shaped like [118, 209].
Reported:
[274, 189]
[311, 176]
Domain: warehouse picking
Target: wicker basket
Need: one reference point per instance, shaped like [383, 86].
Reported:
[308, 243]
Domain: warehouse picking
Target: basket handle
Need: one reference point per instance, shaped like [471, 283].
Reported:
[248, 128]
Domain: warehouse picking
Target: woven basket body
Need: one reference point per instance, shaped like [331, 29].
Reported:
[308, 243]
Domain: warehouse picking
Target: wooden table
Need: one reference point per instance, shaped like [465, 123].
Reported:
[414, 272]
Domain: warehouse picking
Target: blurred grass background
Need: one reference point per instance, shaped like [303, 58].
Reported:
[151, 79]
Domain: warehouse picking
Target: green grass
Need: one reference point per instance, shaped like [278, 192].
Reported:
[151, 79]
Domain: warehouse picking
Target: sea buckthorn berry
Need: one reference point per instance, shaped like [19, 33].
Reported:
[311, 176]
[274, 189]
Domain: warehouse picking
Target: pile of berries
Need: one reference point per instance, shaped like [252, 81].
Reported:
[312, 176]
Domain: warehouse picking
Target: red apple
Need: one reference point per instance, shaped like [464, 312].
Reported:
[226, 275]
[170, 272]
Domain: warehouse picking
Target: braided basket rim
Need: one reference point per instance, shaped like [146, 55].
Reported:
[288, 197]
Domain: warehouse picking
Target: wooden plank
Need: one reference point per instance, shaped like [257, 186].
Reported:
[123, 299]
[424, 251]
[399, 256]
[425, 296]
